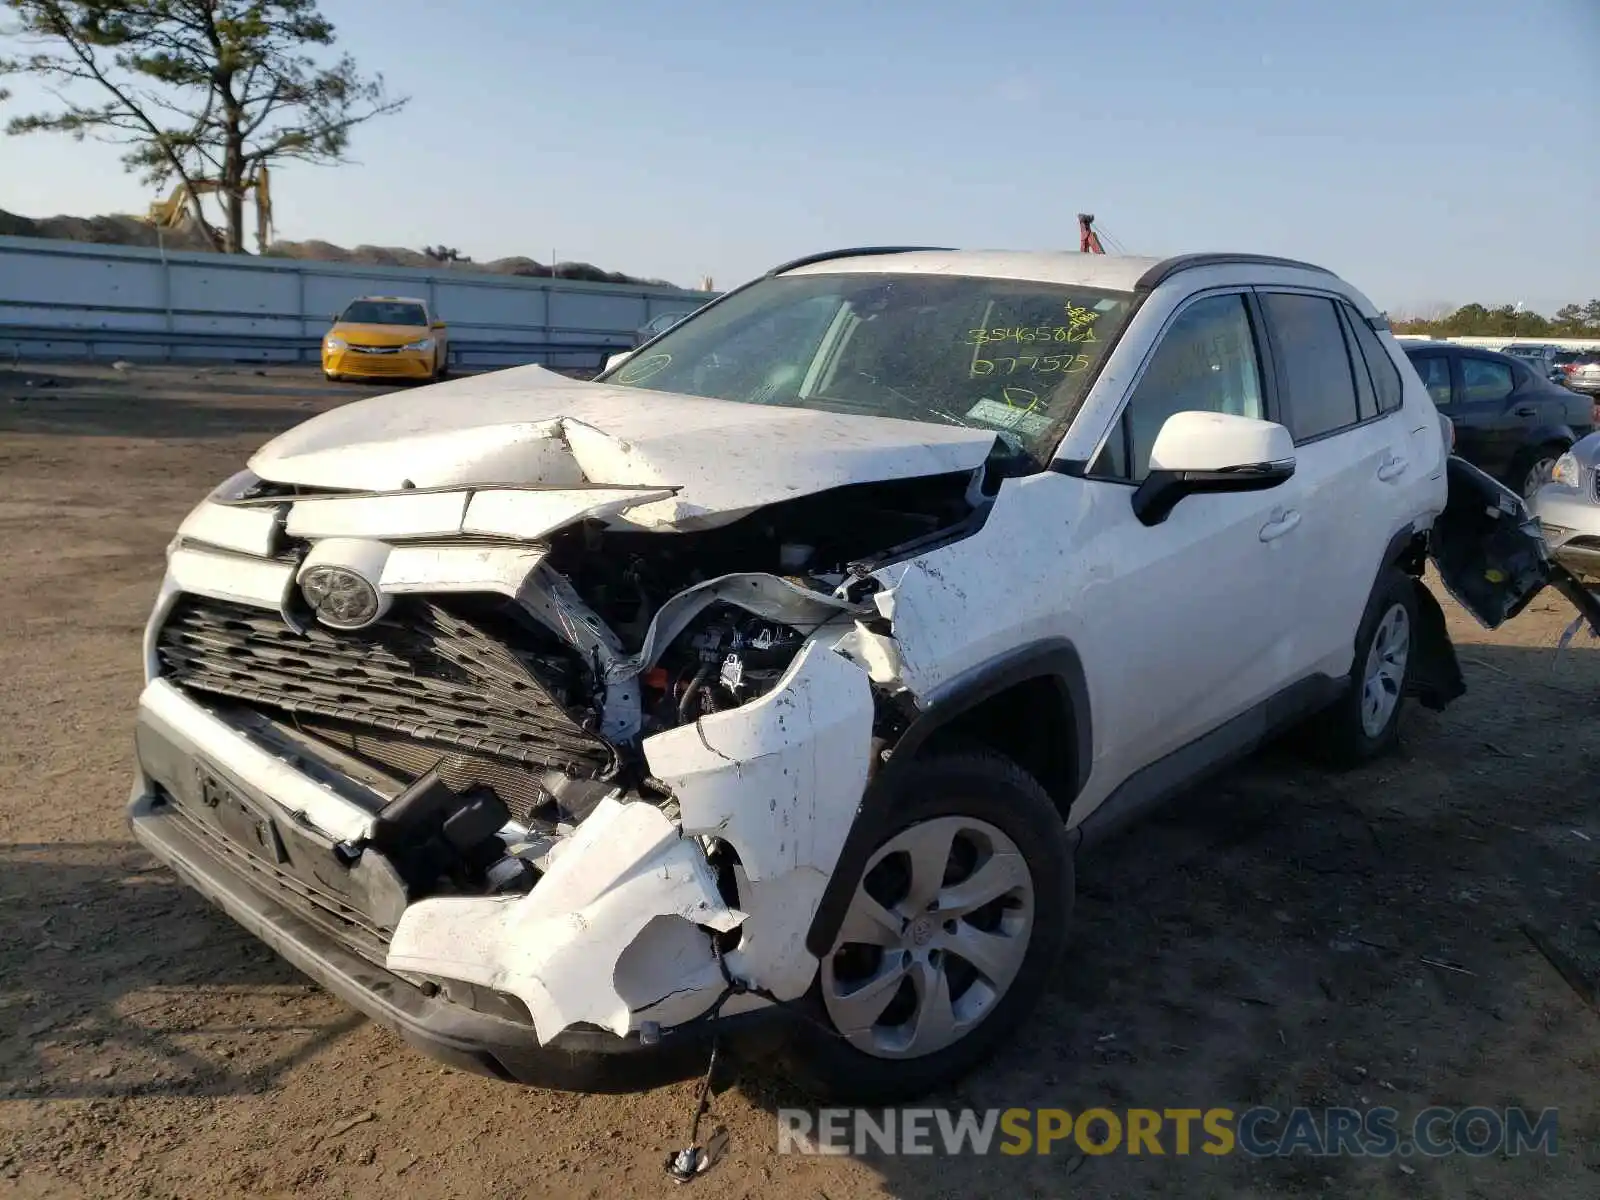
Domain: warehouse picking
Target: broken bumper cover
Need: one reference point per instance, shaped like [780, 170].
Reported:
[168, 789]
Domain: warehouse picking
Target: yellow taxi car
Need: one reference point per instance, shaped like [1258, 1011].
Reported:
[386, 337]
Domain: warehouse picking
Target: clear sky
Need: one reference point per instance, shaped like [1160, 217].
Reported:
[1432, 151]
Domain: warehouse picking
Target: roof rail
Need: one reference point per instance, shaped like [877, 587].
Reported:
[1168, 267]
[852, 252]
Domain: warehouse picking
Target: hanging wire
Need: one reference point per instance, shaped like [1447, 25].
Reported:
[1115, 242]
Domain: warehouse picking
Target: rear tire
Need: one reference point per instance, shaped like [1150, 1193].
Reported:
[900, 1008]
[1364, 723]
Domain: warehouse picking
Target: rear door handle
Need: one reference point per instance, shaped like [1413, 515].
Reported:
[1280, 524]
[1392, 469]
[1526, 411]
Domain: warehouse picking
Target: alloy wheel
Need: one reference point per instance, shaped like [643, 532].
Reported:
[936, 931]
[1385, 673]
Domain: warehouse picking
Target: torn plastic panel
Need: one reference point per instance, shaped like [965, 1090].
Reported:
[1491, 555]
[777, 781]
[557, 948]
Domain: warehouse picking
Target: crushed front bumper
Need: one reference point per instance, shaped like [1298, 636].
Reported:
[265, 886]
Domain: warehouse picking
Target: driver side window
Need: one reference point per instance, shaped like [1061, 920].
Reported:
[1206, 362]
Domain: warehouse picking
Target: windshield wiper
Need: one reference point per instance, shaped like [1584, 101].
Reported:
[919, 405]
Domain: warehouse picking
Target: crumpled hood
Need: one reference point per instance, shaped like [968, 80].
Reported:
[531, 427]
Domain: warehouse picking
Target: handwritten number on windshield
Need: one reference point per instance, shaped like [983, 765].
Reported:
[1048, 364]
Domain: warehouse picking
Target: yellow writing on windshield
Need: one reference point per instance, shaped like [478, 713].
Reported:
[1030, 334]
[1080, 318]
[1034, 364]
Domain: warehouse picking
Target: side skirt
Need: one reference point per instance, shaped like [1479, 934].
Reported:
[1150, 787]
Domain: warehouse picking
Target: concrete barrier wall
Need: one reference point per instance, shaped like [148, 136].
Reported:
[72, 299]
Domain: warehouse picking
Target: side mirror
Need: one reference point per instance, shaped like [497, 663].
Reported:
[616, 360]
[1198, 452]
[437, 325]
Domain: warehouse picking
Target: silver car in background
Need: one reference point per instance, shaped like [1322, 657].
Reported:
[1583, 373]
[1541, 357]
[1568, 509]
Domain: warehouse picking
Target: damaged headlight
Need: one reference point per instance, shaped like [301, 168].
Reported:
[1566, 472]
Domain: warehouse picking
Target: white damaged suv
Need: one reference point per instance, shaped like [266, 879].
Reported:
[782, 671]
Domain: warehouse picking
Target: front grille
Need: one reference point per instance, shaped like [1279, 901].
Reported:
[374, 349]
[517, 785]
[375, 364]
[422, 672]
[322, 908]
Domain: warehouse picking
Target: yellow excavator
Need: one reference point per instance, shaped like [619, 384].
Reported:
[173, 211]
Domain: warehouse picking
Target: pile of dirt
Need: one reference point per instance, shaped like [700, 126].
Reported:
[399, 256]
[108, 231]
[132, 231]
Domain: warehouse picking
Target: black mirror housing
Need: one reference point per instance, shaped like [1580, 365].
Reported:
[1158, 495]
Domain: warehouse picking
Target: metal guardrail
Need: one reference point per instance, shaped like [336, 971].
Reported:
[49, 341]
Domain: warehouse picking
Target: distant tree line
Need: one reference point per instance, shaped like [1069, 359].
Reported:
[1475, 320]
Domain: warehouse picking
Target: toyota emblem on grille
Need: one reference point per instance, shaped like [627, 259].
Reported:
[341, 598]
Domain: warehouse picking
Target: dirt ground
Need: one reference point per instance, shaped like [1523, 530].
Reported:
[1263, 941]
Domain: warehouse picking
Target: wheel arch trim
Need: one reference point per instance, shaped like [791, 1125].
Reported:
[1053, 659]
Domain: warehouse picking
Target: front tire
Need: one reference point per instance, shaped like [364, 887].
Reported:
[1532, 469]
[1364, 723]
[956, 920]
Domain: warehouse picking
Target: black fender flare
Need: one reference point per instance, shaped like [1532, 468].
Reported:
[1436, 679]
[1056, 659]
[1407, 549]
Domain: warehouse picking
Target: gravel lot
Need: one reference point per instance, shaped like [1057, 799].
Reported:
[1261, 942]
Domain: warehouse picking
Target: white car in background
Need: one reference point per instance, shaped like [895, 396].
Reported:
[782, 672]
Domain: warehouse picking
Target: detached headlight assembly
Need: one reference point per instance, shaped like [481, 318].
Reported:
[420, 344]
[1566, 471]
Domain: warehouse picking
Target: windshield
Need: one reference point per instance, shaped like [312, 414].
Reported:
[384, 312]
[1012, 356]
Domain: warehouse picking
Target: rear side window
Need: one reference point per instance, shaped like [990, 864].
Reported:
[1435, 372]
[1484, 381]
[1385, 375]
[1315, 364]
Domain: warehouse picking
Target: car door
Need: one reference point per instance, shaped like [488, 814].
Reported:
[1439, 377]
[1352, 458]
[1486, 404]
[1194, 604]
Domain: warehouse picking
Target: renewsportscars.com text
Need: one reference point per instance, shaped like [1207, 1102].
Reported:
[1259, 1132]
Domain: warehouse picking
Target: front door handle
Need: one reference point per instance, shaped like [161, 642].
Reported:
[1392, 469]
[1527, 410]
[1280, 524]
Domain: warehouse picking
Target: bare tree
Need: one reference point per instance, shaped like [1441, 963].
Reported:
[203, 93]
